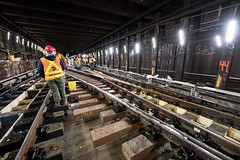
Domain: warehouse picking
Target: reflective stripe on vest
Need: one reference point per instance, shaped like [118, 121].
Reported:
[52, 69]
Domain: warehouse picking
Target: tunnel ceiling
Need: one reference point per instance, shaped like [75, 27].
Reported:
[70, 25]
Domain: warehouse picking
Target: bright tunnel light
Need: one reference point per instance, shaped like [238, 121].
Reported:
[125, 49]
[218, 41]
[8, 35]
[231, 29]
[181, 37]
[116, 50]
[137, 48]
[111, 50]
[154, 42]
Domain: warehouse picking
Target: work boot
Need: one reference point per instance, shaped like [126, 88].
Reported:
[57, 104]
[65, 102]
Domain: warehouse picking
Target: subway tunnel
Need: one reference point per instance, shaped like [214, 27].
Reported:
[120, 55]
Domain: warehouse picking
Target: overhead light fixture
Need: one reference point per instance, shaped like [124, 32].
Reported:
[125, 49]
[8, 35]
[154, 42]
[230, 32]
[116, 50]
[32, 45]
[132, 52]
[28, 43]
[218, 40]
[17, 38]
[23, 41]
[137, 48]
[181, 37]
[111, 50]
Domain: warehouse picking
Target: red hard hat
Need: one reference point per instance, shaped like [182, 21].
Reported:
[49, 48]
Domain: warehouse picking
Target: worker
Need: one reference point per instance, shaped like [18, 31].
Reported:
[51, 68]
[59, 55]
[71, 61]
[68, 61]
[91, 62]
[94, 62]
[78, 59]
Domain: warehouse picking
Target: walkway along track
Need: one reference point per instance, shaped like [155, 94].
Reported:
[141, 108]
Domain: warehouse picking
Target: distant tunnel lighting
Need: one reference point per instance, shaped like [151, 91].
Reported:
[28, 43]
[137, 48]
[23, 41]
[35, 46]
[32, 45]
[111, 50]
[116, 50]
[231, 29]
[181, 37]
[154, 42]
[219, 41]
[17, 38]
[8, 35]
[106, 52]
[125, 49]
[132, 52]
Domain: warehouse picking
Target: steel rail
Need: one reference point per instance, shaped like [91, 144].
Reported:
[32, 133]
[16, 76]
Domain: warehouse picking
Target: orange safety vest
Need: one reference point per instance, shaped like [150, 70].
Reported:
[78, 59]
[52, 69]
[59, 56]
[90, 60]
[94, 60]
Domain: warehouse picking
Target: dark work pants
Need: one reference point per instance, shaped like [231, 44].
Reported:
[58, 86]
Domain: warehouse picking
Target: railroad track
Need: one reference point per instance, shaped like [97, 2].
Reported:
[29, 121]
[178, 88]
[12, 87]
[123, 108]
[183, 122]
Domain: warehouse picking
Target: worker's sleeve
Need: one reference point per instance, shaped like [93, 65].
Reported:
[62, 64]
[40, 69]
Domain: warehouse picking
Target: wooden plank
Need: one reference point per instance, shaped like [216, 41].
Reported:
[110, 115]
[77, 90]
[84, 97]
[76, 94]
[19, 107]
[89, 102]
[89, 111]
[203, 121]
[140, 147]
[25, 101]
[234, 134]
[112, 132]
[179, 110]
